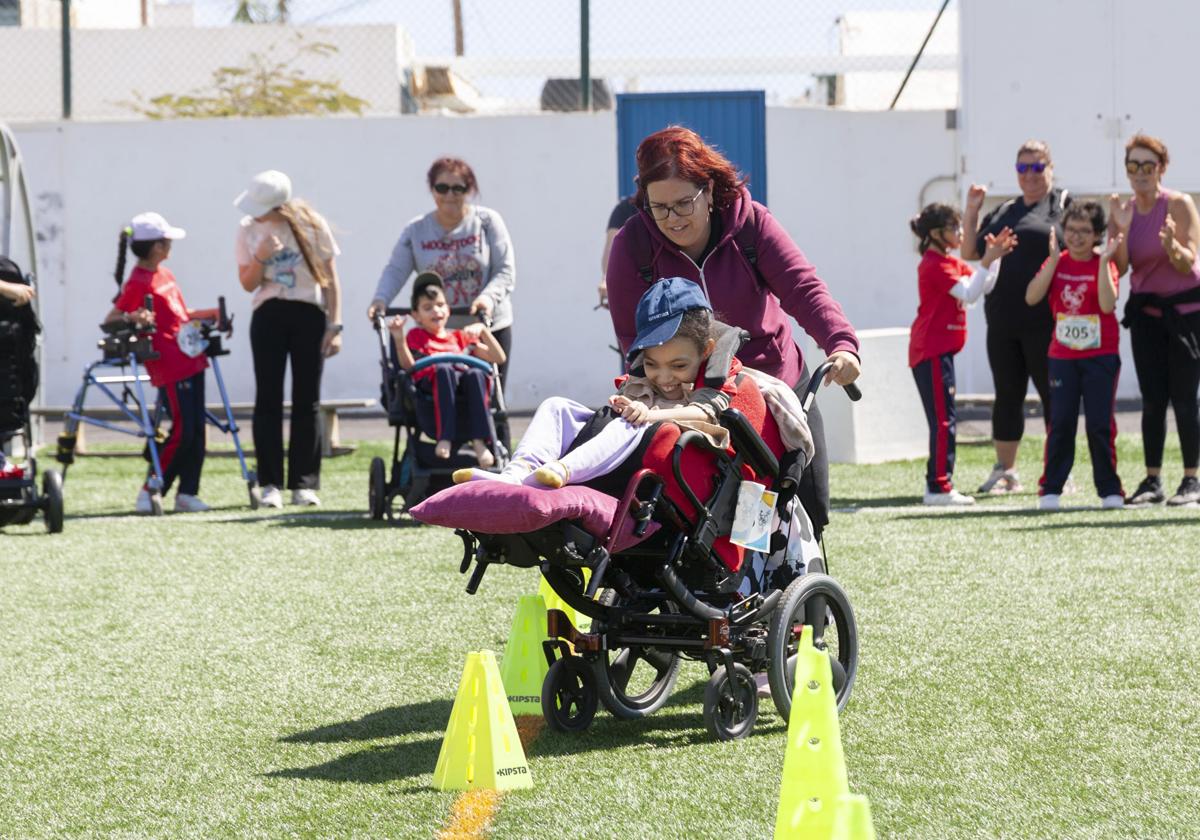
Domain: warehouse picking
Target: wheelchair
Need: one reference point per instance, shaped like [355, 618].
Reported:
[684, 591]
[417, 473]
[125, 350]
[20, 499]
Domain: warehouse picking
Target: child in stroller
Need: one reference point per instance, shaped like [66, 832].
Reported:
[440, 385]
[19, 328]
[666, 581]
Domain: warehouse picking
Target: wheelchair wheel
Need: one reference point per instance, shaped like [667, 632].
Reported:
[569, 695]
[636, 681]
[52, 489]
[731, 703]
[820, 601]
[377, 488]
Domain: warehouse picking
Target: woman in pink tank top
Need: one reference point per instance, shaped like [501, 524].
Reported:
[1161, 244]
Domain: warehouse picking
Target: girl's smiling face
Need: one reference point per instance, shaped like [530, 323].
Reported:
[1081, 239]
[672, 365]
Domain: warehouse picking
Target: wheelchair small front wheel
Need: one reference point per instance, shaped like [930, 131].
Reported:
[52, 489]
[731, 703]
[569, 696]
[819, 601]
[377, 488]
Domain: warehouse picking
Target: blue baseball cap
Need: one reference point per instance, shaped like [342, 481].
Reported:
[660, 311]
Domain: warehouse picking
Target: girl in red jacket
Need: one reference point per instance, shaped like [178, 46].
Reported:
[946, 286]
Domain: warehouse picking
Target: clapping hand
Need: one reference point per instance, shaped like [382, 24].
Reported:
[1111, 246]
[976, 193]
[1166, 235]
[1052, 244]
[396, 323]
[998, 245]
[474, 332]
[1121, 214]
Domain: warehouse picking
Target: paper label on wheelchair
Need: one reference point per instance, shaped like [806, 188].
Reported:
[1079, 332]
[191, 340]
[753, 517]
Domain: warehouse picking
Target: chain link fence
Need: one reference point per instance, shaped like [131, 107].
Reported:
[132, 59]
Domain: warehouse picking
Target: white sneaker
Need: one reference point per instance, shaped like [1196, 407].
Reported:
[185, 503]
[1049, 501]
[142, 505]
[305, 498]
[952, 499]
[1113, 502]
[1069, 487]
[271, 497]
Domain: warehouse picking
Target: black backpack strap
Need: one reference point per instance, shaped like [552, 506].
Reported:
[747, 242]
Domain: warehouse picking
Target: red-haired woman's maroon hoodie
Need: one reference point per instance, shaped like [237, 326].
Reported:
[737, 296]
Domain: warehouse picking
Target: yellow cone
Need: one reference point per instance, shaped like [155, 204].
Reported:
[481, 749]
[524, 665]
[582, 622]
[853, 818]
[814, 770]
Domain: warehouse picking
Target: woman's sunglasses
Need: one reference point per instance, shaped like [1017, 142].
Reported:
[457, 189]
[1146, 167]
[1038, 168]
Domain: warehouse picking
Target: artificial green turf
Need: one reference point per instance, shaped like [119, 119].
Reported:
[291, 673]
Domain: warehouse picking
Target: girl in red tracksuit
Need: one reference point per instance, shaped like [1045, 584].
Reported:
[946, 287]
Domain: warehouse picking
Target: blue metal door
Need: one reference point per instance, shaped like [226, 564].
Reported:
[734, 121]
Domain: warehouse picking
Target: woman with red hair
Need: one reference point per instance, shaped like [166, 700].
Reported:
[696, 220]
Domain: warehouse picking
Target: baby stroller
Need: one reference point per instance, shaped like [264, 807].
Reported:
[418, 473]
[19, 497]
[666, 584]
[127, 348]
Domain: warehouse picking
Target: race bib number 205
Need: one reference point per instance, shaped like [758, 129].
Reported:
[1078, 332]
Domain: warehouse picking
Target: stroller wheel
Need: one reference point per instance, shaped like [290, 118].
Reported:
[635, 681]
[52, 489]
[817, 600]
[569, 697]
[731, 703]
[377, 489]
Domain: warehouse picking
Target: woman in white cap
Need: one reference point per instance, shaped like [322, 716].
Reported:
[464, 244]
[285, 254]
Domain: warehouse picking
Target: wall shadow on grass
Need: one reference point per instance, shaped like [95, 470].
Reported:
[427, 716]
[372, 766]
[1091, 524]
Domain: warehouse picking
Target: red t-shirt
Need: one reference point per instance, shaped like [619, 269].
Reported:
[1081, 330]
[175, 338]
[941, 322]
[424, 343]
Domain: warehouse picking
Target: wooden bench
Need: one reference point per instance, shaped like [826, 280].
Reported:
[331, 445]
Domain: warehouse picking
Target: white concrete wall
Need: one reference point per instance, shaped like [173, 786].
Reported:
[113, 66]
[552, 177]
[844, 184]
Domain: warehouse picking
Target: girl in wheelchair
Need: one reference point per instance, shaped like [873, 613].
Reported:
[446, 384]
[683, 370]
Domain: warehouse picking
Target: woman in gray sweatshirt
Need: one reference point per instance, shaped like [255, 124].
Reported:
[464, 244]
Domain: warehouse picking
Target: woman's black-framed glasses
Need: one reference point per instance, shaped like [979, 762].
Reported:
[1146, 167]
[457, 189]
[1037, 168]
[684, 207]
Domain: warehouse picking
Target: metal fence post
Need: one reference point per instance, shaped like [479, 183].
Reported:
[585, 73]
[66, 59]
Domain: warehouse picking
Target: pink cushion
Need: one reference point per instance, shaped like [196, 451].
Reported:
[496, 507]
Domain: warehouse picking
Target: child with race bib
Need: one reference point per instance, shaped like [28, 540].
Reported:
[178, 372]
[682, 369]
[1083, 356]
[448, 383]
[946, 286]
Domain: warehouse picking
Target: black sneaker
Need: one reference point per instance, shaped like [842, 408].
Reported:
[1149, 492]
[1188, 492]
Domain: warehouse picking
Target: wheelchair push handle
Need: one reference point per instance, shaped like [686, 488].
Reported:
[818, 378]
